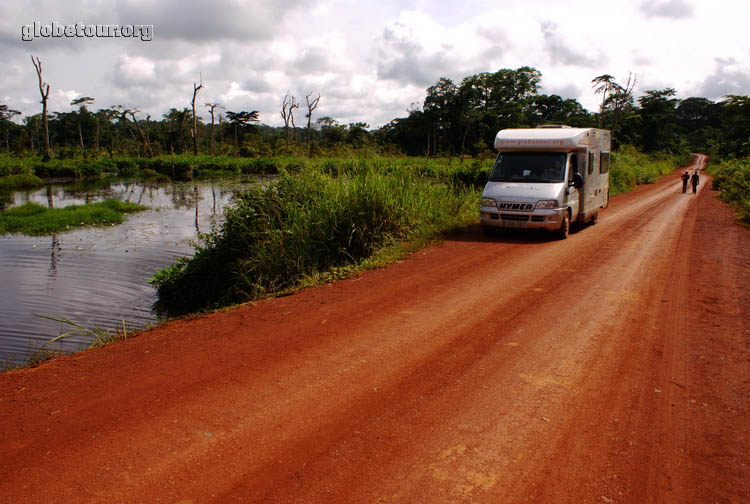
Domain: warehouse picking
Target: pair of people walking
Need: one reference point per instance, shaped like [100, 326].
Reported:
[694, 181]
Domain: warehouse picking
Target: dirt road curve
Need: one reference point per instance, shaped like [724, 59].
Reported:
[611, 367]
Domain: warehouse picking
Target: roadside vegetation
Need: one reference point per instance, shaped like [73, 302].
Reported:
[732, 179]
[631, 168]
[35, 219]
[321, 222]
[325, 218]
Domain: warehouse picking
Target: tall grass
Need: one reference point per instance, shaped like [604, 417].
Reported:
[311, 222]
[733, 180]
[20, 181]
[630, 168]
[35, 219]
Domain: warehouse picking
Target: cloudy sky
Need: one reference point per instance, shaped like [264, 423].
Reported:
[369, 61]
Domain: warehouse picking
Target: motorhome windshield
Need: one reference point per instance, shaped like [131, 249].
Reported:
[529, 167]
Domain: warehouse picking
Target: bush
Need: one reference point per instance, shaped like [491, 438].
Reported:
[629, 167]
[733, 180]
[12, 182]
[306, 223]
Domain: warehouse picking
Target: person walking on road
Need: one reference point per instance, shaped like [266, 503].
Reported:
[685, 178]
[695, 180]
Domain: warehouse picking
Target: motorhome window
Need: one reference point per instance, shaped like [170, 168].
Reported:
[529, 167]
[591, 162]
[604, 163]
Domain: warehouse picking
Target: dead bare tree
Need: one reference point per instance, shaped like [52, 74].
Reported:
[212, 107]
[44, 91]
[146, 144]
[311, 105]
[287, 113]
[195, 120]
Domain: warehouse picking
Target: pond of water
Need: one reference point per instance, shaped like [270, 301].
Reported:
[97, 277]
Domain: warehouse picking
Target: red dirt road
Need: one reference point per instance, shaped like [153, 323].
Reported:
[612, 367]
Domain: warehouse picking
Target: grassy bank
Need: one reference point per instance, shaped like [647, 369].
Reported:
[35, 219]
[22, 181]
[313, 223]
[630, 168]
[732, 179]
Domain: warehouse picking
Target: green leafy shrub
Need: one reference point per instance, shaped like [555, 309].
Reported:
[306, 223]
[733, 180]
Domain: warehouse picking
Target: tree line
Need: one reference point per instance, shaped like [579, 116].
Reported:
[454, 120]
[460, 119]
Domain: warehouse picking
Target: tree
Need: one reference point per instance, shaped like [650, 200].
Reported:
[553, 109]
[311, 105]
[736, 125]
[44, 92]
[240, 120]
[659, 120]
[195, 121]
[146, 144]
[357, 134]
[104, 127]
[699, 119]
[604, 85]
[617, 102]
[82, 113]
[212, 108]
[441, 112]
[6, 117]
[288, 104]
[331, 130]
[174, 130]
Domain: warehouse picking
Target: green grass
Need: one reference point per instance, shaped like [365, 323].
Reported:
[630, 168]
[21, 181]
[312, 224]
[35, 219]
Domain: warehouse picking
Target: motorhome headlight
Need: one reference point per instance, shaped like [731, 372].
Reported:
[489, 202]
[547, 203]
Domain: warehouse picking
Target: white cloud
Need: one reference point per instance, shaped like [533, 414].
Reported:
[369, 61]
[67, 96]
[674, 9]
[134, 70]
[234, 91]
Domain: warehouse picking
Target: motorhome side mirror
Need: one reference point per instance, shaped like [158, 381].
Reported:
[577, 180]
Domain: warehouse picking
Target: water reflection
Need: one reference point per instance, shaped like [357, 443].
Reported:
[97, 276]
[54, 253]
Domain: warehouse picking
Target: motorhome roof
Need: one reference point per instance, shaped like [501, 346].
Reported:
[544, 138]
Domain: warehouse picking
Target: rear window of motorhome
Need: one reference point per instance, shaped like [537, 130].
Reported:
[604, 163]
[529, 167]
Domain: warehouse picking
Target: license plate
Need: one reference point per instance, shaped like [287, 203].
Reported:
[514, 224]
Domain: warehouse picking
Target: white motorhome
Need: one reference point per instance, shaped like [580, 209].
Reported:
[547, 178]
